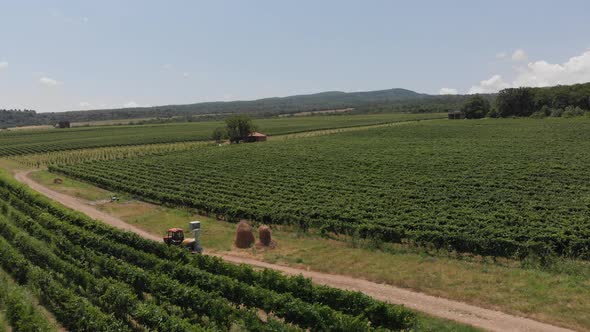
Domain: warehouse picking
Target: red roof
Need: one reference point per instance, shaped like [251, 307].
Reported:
[257, 134]
[174, 230]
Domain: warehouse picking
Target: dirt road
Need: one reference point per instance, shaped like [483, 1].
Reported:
[458, 311]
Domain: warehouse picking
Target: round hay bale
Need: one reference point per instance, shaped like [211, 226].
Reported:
[244, 235]
[264, 235]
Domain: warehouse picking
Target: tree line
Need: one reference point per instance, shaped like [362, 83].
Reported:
[556, 101]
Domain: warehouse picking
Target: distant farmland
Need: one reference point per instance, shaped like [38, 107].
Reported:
[47, 140]
[493, 187]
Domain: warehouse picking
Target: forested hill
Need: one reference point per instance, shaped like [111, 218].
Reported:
[276, 105]
[390, 100]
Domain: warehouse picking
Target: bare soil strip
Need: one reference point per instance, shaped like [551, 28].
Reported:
[487, 319]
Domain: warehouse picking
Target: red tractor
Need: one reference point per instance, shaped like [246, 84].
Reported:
[175, 237]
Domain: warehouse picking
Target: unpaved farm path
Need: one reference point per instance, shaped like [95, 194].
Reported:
[457, 311]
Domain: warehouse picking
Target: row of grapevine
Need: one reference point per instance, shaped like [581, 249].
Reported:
[20, 309]
[73, 311]
[123, 280]
[106, 153]
[505, 192]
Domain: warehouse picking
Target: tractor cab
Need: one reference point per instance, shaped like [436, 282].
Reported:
[174, 236]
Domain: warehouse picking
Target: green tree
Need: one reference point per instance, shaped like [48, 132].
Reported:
[239, 127]
[476, 107]
[219, 134]
[515, 102]
[493, 113]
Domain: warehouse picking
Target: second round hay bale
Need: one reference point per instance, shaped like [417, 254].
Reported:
[264, 235]
[244, 235]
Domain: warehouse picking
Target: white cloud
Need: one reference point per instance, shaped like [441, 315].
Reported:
[185, 74]
[501, 55]
[167, 66]
[3, 64]
[131, 104]
[541, 73]
[49, 81]
[447, 91]
[491, 85]
[85, 104]
[84, 19]
[519, 55]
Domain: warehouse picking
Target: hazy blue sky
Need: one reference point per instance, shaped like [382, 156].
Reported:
[66, 55]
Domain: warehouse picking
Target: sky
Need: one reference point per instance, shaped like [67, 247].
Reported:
[76, 55]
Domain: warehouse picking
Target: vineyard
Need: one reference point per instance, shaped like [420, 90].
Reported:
[94, 278]
[508, 188]
[105, 153]
[22, 142]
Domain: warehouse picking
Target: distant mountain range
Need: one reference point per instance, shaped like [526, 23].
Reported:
[391, 100]
[401, 100]
[290, 104]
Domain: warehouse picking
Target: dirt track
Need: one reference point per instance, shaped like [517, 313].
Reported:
[458, 311]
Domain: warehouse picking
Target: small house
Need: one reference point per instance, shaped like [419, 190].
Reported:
[255, 137]
[456, 115]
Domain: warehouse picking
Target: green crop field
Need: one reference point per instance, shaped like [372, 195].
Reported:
[46, 140]
[92, 277]
[507, 187]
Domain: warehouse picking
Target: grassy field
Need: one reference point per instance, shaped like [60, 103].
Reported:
[558, 293]
[492, 187]
[39, 141]
[73, 188]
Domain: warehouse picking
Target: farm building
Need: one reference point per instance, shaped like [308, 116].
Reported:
[63, 124]
[255, 137]
[456, 115]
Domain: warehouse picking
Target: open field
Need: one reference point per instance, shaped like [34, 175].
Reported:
[27, 128]
[308, 113]
[39, 141]
[108, 122]
[139, 284]
[491, 187]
